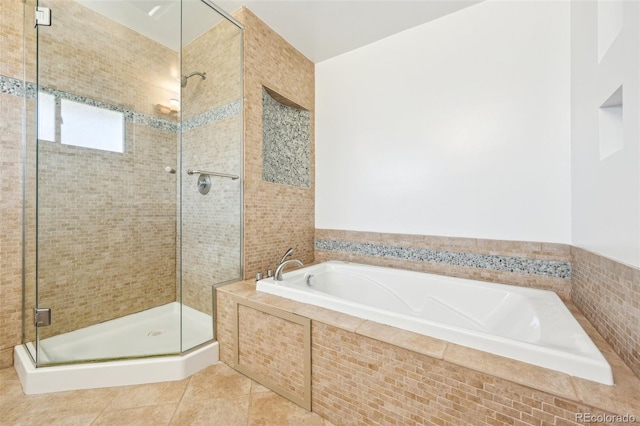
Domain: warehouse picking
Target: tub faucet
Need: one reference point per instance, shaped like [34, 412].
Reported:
[281, 266]
[288, 253]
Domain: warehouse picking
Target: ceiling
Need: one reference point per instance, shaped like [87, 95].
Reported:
[319, 29]
[323, 29]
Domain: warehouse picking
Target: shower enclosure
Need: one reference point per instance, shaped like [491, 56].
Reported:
[133, 165]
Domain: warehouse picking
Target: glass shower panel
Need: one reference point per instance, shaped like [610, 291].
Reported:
[211, 130]
[107, 208]
[29, 179]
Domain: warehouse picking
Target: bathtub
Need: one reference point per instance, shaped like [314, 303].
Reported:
[524, 324]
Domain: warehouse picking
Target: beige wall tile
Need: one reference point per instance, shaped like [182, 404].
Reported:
[104, 60]
[225, 329]
[525, 374]
[384, 384]
[608, 294]
[272, 348]
[276, 216]
[106, 229]
[10, 223]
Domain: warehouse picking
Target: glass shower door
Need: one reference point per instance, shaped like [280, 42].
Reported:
[138, 189]
[106, 205]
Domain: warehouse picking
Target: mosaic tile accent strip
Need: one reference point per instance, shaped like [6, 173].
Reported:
[214, 115]
[549, 268]
[285, 143]
[16, 87]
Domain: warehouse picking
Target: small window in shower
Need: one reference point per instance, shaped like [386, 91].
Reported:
[91, 127]
[46, 117]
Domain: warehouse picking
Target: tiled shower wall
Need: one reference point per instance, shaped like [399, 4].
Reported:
[276, 216]
[10, 226]
[211, 141]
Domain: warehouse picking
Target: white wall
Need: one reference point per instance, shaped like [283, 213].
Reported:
[458, 127]
[606, 191]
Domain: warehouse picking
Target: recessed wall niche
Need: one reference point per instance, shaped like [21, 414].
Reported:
[610, 125]
[286, 139]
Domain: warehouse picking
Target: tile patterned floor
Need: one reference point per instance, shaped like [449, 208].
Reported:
[216, 396]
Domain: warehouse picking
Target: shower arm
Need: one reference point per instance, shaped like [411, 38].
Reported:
[188, 76]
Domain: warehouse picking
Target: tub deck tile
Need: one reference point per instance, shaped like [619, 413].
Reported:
[327, 316]
[553, 382]
[275, 301]
[245, 288]
[425, 345]
[623, 397]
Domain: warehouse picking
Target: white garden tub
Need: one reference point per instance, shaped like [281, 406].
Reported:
[525, 324]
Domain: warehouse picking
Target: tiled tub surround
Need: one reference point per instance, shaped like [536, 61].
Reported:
[545, 266]
[285, 143]
[368, 373]
[524, 324]
[608, 293]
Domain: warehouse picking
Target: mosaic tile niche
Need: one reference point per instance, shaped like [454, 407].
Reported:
[285, 141]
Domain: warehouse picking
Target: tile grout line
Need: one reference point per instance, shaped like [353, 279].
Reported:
[104, 409]
[181, 398]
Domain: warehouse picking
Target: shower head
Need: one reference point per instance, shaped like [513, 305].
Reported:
[183, 81]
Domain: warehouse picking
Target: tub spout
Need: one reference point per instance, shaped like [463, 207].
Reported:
[278, 274]
[287, 254]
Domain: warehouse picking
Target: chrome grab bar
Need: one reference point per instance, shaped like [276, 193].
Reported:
[202, 172]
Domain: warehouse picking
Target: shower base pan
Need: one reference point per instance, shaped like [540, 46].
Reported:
[146, 333]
